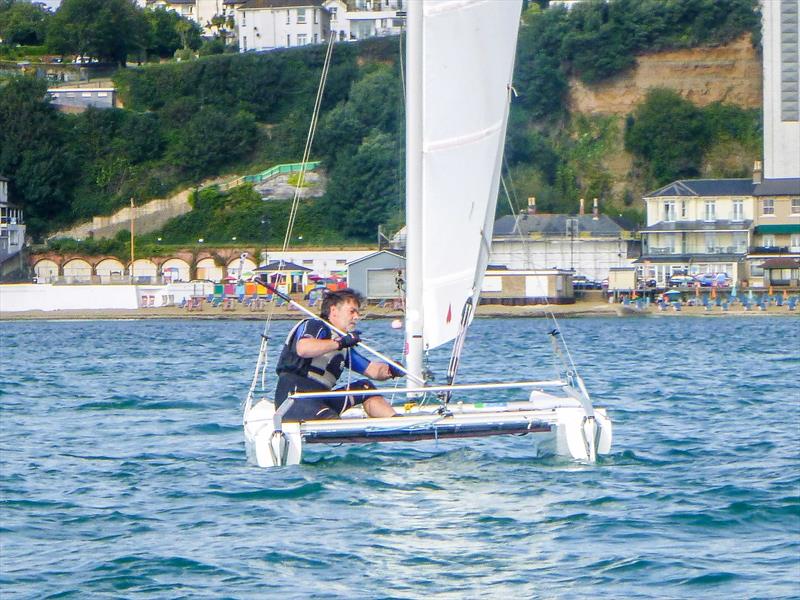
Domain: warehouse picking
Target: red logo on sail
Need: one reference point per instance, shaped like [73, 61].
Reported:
[449, 312]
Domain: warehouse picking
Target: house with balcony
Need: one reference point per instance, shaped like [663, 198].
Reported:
[774, 258]
[270, 24]
[359, 19]
[12, 235]
[589, 245]
[697, 226]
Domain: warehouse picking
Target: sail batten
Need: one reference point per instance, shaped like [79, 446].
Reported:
[468, 49]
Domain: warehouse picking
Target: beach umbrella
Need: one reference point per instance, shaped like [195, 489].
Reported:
[672, 295]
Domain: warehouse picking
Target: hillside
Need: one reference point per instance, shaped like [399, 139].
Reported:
[612, 100]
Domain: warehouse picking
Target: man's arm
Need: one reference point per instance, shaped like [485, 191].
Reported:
[309, 347]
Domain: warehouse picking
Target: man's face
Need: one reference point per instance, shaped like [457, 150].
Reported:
[345, 315]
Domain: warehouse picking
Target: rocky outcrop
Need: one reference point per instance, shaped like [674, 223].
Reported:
[730, 73]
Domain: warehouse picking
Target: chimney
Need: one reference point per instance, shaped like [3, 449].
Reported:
[581, 211]
[532, 205]
[757, 173]
[595, 211]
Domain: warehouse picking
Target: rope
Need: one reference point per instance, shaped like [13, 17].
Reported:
[262, 361]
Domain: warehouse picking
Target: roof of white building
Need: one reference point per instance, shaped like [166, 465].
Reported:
[249, 4]
[556, 224]
[705, 187]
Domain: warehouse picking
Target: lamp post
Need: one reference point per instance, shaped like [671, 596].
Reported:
[133, 227]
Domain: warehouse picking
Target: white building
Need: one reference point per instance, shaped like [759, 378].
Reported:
[270, 24]
[588, 245]
[359, 19]
[12, 228]
[781, 66]
[202, 12]
[321, 262]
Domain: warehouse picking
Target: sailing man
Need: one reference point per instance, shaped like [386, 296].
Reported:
[314, 357]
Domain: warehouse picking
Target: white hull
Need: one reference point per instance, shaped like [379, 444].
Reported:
[554, 425]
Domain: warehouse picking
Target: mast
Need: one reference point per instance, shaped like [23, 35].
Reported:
[414, 97]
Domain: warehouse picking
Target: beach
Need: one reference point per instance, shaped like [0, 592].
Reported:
[242, 312]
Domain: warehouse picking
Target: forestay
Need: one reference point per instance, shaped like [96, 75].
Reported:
[467, 65]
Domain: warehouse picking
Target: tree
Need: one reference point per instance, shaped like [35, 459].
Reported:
[365, 190]
[168, 32]
[210, 138]
[669, 134]
[108, 29]
[33, 152]
[22, 22]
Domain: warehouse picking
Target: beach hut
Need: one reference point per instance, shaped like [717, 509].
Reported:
[288, 277]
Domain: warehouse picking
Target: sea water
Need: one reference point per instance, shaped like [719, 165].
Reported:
[124, 475]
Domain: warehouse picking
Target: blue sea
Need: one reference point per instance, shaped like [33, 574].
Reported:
[123, 471]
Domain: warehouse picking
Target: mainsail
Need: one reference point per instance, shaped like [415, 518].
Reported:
[456, 128]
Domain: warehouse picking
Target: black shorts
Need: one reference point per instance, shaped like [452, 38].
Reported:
[313, 409]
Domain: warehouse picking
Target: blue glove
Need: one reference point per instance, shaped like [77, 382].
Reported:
[349, 340]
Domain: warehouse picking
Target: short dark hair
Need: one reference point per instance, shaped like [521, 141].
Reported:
[331, 298]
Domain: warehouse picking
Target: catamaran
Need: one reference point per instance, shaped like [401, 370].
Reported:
[458, 96]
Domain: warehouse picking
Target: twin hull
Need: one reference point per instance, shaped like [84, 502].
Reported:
[552, 424]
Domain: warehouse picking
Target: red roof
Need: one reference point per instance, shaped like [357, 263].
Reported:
[781, 263]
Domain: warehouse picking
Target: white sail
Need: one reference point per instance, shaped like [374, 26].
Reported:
[468, 49]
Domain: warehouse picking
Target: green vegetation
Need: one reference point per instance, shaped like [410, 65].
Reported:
[671, 137]
[598, 39]
[227, 114]
[108, 30]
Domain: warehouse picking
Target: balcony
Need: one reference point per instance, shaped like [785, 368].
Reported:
[704, 250]
[769, 250]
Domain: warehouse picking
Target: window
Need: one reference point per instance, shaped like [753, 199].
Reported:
[711, 210]
[669, 210]
[683, 209]
[333, 11]
[341, 261]
[768, 206]
[794, 243]
[244, 43]
[796, 206]
[768, 241]
[244, 18]
[738, 210]
[308, 261]
[302, 39]
[316, 38]
[288, 40]
[740, 241]
[288, 17]
[756, 270]
[316, 16]
[301, 16]
[711, 242]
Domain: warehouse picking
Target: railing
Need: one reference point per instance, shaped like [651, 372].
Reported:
[652, 251]
[770, 249]
[271, 172]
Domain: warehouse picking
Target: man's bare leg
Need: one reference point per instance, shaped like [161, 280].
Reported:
[377, 406]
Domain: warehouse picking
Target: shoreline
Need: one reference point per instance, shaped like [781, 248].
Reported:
[242, 313]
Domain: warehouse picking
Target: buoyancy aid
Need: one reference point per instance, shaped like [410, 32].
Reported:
[324, 369]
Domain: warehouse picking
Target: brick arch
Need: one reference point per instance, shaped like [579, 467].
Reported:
[47, 270]
[109, 268]
[77, 270]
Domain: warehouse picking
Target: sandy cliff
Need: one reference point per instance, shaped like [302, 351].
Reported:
[730, 73]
